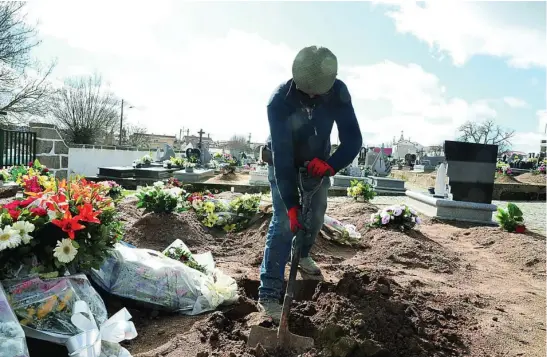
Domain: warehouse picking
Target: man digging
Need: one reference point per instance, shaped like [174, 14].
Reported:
[301, 114]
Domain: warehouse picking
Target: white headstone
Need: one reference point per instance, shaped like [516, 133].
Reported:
[440, 182]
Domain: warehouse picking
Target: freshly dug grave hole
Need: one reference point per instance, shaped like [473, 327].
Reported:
[364, 314]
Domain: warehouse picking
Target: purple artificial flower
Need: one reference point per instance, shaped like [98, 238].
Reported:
[385, 219]
[418, 220]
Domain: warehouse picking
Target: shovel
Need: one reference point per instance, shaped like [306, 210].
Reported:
[282, 337]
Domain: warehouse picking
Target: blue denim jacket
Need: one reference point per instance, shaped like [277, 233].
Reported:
[300, 129]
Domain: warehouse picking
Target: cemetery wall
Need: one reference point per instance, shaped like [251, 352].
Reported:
[51, 149]
[86, 159]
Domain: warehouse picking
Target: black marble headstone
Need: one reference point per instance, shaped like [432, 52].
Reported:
[117, 171]
[471, 170]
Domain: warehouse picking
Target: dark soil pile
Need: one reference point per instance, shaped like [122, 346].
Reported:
[364, 314]
[157, 231]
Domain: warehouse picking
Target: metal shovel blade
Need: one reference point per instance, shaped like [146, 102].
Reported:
[269, 340]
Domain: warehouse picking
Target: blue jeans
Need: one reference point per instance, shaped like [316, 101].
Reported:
[279, 239]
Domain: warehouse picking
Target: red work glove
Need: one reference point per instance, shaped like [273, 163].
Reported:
[319, 168]
[293, 214]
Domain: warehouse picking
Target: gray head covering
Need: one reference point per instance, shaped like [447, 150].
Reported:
[314, 70]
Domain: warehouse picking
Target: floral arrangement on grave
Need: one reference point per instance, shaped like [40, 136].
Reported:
[32, 178]
[113, 189]
[66, 228]
[184, 257]
[400, 217]
[177, 161]
[230, 216]
[361, 190]
[227, 163]
[511, 218]
[146, 159]
[158, 198]
[173, 182]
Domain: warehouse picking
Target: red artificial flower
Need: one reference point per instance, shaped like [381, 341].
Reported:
[520, 229]
[13, 205]
[58, 200]
[30, 164]
[86, 214]
[45, 170]
[32, 184]
[38, 211]
[27, 202]
[68, 224]
[14, 214]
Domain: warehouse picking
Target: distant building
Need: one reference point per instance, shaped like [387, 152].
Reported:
[154, 140]
[405, 146]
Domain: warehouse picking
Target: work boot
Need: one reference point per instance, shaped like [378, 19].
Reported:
[271, 308]
[309, 266]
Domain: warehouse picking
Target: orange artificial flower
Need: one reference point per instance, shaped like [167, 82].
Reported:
[86, 214]
[68, 224]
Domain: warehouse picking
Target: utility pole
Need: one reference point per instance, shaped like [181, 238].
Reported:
[121, 125]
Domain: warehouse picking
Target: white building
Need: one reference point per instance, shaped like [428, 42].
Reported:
[405, 146]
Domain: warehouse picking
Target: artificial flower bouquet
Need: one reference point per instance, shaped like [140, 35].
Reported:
[398, 216]
[163, 283]
[361, 190]
[70, 312]
[158, 198]
[229, 215]
[177, 250]
[344, 233]
[511, 218]
[113, 189]
[32, 178]
[12, 336]
[70, 228]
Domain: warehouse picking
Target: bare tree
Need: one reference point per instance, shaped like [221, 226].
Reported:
[238, 144]
[24, 86]
[85, 109]
[487, 132]
[134, 136]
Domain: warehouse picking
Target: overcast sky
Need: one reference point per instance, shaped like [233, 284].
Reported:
[421, 69]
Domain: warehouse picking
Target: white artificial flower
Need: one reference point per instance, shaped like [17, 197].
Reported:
[175, 191]
[65, 252]
[24, 229]
[159, 184]
[9, 238]
[52, 214]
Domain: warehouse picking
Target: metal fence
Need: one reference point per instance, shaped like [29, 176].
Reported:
[17, 147]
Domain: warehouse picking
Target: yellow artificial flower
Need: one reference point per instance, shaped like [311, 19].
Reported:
[47, 307]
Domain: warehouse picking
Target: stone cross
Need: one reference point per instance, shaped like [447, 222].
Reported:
[200, 132]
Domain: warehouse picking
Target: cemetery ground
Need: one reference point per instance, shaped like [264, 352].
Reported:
[441, 290]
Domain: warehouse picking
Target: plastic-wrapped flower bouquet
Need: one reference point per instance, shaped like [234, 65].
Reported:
[398, 216]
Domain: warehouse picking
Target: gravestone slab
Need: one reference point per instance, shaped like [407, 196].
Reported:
[471, 170]
[447, 209]
[117, 171]
[198, 175]
[387, 184]
[259, 178]
[345, 181]
[154, 172]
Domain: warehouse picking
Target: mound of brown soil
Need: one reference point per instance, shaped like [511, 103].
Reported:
[157, 231]
[409, 250]
[526, 251]
[362, 315]
[506, 179]
[128, 211]
[532, 179]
